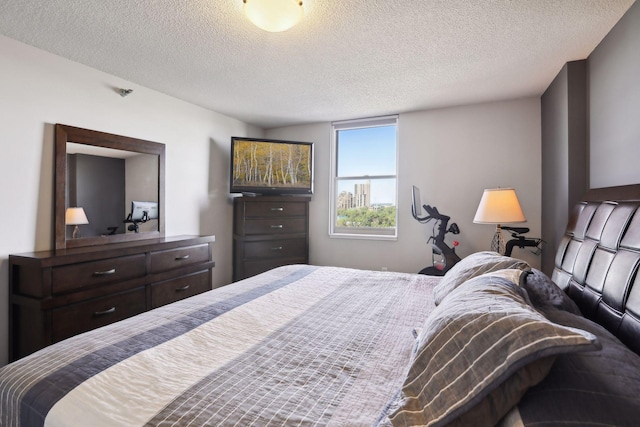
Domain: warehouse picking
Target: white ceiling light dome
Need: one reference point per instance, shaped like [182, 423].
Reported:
[273, 15]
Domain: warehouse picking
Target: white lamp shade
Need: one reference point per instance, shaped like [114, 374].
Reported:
[75, 216]
[273, 15]
[499, 206]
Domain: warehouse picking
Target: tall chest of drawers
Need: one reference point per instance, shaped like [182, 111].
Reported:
[58, 294]
[268, 232]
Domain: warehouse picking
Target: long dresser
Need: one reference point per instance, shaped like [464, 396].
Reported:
[58, 294]
[268, 232]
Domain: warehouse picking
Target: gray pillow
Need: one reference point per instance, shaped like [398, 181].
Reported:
[545, 294]
[472, 266]
[598, 388]
[477, 354]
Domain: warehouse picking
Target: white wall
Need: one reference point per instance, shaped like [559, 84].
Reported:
[452, 155]
[38, 89]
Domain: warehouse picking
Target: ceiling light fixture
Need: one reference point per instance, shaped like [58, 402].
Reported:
[273, 15]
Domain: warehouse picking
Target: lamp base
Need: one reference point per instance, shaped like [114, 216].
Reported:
[497, 243]
[76, 232]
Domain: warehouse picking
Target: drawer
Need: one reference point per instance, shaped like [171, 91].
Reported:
[71, 277]
[182, 287]
[275, 209]
[92, 314]
[251, 268]
[281, 248]
[276, 226]
[180, 257]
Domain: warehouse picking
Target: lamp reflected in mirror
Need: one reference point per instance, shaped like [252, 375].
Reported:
[75, 216]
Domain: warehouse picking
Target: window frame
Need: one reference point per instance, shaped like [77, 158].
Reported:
[355, 232]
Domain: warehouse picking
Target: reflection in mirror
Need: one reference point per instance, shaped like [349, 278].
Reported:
[106, 175]
[105, 183]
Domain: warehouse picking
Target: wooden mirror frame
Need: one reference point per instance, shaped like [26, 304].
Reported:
[64, 134]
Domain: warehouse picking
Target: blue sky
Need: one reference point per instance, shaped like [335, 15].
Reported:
[369, 151]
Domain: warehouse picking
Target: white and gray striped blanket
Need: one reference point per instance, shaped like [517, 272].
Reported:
[298, 345]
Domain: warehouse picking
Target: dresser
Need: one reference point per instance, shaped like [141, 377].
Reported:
[58, 294]
[268, 232]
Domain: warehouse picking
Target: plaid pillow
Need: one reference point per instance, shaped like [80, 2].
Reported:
[477, 354]
[472, 266]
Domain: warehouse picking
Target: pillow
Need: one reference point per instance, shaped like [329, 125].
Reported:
[545, 294]
[513, 275]
[478, 352]
[596, 388]
[472, 266]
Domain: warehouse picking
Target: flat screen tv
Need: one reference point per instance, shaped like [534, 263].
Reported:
[271, 167]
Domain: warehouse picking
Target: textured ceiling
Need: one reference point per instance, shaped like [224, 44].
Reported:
[344, 60]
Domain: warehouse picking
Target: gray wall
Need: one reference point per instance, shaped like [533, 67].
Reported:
[564, 153]
[590, 126]
[452, 155]
[86, 174]
[614, 104]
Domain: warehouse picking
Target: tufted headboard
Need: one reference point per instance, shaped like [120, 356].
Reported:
[598, 258]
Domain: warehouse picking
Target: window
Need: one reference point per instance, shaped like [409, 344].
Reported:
[363, 173]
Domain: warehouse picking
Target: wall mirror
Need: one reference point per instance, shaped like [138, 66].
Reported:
[108, 188]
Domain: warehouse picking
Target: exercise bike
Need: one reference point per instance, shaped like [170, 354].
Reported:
[444, 257]
[521, 241]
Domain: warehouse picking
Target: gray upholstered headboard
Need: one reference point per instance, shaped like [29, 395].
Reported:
[598, 258]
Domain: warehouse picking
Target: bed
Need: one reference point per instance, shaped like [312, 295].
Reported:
[494, 341]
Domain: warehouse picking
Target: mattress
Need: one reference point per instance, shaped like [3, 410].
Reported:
[298, 345]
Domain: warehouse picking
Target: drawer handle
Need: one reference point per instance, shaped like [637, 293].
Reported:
[184, 288]
[277, 209]
[276, 226]
[276, 248]
[104, 273]
[105, 312]
[180, 258]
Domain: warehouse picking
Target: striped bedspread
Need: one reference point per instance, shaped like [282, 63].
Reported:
[298, 345]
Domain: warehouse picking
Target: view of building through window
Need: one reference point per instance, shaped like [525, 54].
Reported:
[365, 178]
[360, 198]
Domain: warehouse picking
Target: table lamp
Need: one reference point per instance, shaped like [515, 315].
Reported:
[75, 216]
[499, 206]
